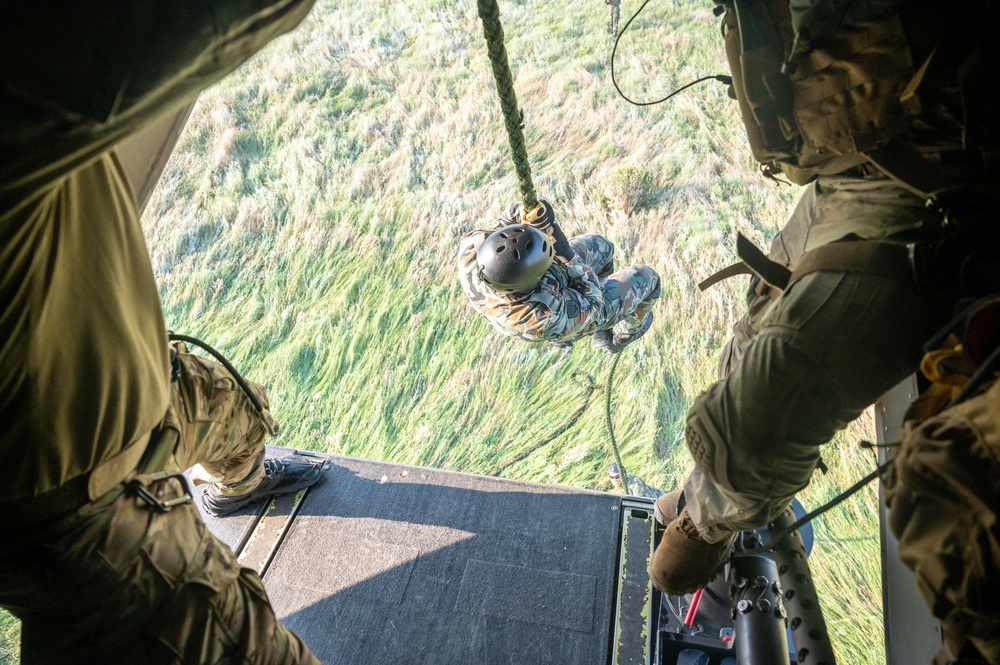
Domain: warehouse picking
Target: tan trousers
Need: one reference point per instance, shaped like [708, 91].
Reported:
[117, 582]
[806, 364]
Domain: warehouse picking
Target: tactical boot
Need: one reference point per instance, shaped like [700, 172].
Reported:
[602, 339]
[281, 476]
[666, 507]
[620, 340]
[683, 562]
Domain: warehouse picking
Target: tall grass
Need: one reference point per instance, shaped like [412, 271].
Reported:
[308, 221]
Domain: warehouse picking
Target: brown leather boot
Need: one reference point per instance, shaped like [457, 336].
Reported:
[665, 508]
[683, 562]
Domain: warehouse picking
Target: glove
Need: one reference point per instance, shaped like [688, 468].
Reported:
[542, 218]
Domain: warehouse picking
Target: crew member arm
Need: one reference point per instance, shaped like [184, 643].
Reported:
[76, 78]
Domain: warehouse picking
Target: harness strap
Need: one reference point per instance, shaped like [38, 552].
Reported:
[754, 262]
[909, 169]
[32, 511]
[738, 268]
[871, 257]
[771, 272]
[114, 470]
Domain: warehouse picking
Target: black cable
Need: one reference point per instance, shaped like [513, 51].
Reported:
[174, 337]
[722, 78]
[802, 521]
[611, 426]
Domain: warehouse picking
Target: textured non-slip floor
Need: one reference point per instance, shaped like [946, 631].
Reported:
[385, 563]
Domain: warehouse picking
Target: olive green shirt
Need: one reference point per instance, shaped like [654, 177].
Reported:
[84, 366]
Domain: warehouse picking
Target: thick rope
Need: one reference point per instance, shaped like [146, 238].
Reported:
[611, 427]
[590, 387]
[489, 12]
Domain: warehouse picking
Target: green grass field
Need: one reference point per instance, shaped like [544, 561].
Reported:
[308, 221]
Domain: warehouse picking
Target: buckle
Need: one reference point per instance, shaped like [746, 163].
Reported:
[921, 255]
[141, 490]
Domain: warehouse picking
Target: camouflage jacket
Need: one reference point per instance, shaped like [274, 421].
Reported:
[561, 309]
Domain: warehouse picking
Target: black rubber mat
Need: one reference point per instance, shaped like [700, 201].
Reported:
[392, 564]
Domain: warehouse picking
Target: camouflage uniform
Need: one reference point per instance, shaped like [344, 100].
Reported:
[85, 373]
[571, 301]
[116, 577]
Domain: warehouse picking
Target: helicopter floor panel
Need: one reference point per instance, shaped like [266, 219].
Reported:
[386, 563]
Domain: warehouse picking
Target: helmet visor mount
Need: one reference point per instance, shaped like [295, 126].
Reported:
[514, 258]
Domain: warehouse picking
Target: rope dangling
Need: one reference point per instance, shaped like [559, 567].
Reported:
[610, 425]
[489, 12]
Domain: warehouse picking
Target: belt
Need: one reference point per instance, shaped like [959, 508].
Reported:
[75, 492]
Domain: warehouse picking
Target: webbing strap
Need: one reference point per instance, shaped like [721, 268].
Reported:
[911, 170]
[772, 272]
[112, 471]
[870, 257]
[733, 270]
[885, 259]
[754, 262]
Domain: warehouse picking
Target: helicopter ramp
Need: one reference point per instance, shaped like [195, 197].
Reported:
[386, 563]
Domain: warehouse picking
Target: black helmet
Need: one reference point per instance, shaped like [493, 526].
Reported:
[515, 257]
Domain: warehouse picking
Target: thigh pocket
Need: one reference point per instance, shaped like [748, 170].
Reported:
[181, 550]
[804, 299]
[207, 389]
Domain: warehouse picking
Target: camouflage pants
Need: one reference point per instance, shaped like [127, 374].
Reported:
[944, 503]
[118, 582]
[629, 294]
[810, 363]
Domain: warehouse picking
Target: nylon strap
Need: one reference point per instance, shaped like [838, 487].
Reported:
[884, 259]
[911, 170]
[114, 470]
[727, 272]
[872, 257]
[754, 262]
[773, 273]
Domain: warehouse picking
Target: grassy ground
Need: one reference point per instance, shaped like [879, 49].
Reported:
[308, 221]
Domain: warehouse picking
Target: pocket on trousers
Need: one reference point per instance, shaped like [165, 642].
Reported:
[206, 389]
[181, 550]
[801, 302]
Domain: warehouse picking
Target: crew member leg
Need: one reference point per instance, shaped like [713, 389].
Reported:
[119, 582]
[220, 429]
[755, 435]
[830, 346]
[223, 434]
[117, 577]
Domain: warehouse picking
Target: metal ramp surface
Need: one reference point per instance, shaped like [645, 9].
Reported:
[386, 563]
